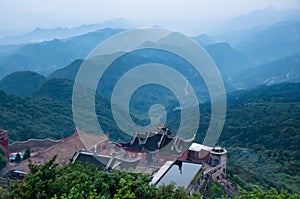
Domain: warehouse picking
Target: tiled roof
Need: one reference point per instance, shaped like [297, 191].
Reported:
[160, 140]
[90, 140]
[198, 147]
[107, 162]
[64, 149]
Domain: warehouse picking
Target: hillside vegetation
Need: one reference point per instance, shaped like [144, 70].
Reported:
[262, 128]
[262, 134]
[31, 118]
[22, 84]
[50, 181]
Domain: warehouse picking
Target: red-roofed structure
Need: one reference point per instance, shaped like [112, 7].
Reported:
[65, 149]
[4, 141]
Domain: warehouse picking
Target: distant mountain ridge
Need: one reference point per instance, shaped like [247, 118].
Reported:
[45, 57]
[274, 72]
[204, 40]
[236, 70]
[42, 34]
[242, 28]
[262, 17]
[228, 60]
[275, 42]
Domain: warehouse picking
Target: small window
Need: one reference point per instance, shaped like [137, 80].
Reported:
[154, 158]
[216, 162]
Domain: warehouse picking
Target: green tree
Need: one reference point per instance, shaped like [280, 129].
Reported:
[216, 190]
[26, 154]
[18, 158]
[271, 194]
[125, 191]
[80, 181]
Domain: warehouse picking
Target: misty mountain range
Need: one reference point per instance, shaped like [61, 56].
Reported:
[243, 27]
[248, 52]
[42, 34]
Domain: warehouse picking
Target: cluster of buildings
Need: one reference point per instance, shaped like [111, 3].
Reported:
[166, 157]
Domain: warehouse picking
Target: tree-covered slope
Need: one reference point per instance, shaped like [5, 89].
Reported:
[48, 113]
[22, 83]
[32, 118]
[262, 133]
[69, 72]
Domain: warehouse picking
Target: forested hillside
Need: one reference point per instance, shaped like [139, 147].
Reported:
[32, 118]
[262, 128]
[22, 84]
[262, 133]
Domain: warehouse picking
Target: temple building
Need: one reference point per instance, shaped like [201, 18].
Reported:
[193, 168]
[156, 146]
[166, 157]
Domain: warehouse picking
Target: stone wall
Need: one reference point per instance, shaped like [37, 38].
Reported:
[32, 144]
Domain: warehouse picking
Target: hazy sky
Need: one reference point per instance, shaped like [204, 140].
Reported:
[25, 15]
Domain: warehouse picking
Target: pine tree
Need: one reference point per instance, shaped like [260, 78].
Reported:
[18, 158]
[26, 154]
